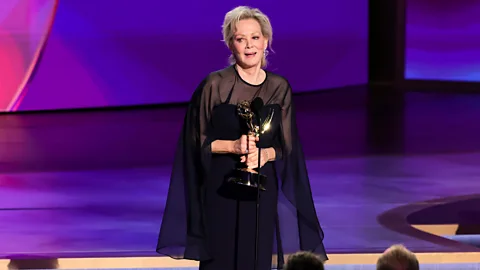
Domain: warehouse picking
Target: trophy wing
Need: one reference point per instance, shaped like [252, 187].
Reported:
[267, 123]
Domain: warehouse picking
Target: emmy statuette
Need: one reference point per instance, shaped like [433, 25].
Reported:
[246, 176]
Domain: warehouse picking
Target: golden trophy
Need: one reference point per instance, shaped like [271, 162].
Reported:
[247, 176]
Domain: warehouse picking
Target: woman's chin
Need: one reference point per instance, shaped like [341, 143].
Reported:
[249, 63]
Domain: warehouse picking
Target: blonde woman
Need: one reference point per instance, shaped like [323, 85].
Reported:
[207, 220]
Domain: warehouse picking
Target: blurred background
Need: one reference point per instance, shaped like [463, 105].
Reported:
[80, 54]
[368, 66]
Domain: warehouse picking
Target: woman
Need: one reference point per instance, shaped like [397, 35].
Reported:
[204, 220]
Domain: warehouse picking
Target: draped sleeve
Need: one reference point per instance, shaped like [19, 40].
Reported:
[182, 232]
[303, 227]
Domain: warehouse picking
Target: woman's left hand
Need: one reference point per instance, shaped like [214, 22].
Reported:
[251, 159]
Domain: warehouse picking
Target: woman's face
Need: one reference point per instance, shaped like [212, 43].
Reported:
[249, 44]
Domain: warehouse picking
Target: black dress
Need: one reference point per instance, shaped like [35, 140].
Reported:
[207, 220]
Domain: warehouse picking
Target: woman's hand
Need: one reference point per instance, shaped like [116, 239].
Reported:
[251, 160]
[245, 145]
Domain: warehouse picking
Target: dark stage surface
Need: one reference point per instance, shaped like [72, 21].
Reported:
[94, 184]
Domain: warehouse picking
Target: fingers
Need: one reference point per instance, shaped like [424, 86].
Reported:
[252, 146]
[252, 164]
[247, 144]
[243, 144]
[252, 143]
[246, 158]
[251, 159]
[249, 162]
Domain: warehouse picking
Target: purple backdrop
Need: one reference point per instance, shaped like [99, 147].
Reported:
[106, 53]
[443, 40]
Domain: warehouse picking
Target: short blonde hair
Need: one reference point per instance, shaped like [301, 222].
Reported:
[398, 257]
[243, 13]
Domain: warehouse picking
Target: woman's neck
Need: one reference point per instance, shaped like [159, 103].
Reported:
[254, 75]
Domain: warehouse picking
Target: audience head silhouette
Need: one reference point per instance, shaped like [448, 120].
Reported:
[397, 257]
[304, 261]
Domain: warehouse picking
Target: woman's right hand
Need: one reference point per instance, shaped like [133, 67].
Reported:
[240, 145]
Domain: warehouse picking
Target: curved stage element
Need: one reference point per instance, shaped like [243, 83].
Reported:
[21, 44]
[439, 221]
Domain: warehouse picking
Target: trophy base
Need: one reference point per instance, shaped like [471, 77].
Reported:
[249, 178]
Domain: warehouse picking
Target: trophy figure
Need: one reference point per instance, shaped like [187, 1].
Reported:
[246, 176]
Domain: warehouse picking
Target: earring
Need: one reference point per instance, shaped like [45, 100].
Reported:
[265, 53]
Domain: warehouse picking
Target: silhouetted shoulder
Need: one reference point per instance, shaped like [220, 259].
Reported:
[280, 89]
[278, 80]
[227, 73]
[214, 81]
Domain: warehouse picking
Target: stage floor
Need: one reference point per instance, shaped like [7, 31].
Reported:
[50, 208]
[118, 212]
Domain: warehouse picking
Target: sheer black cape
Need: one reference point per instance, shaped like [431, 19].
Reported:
[182, 233]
